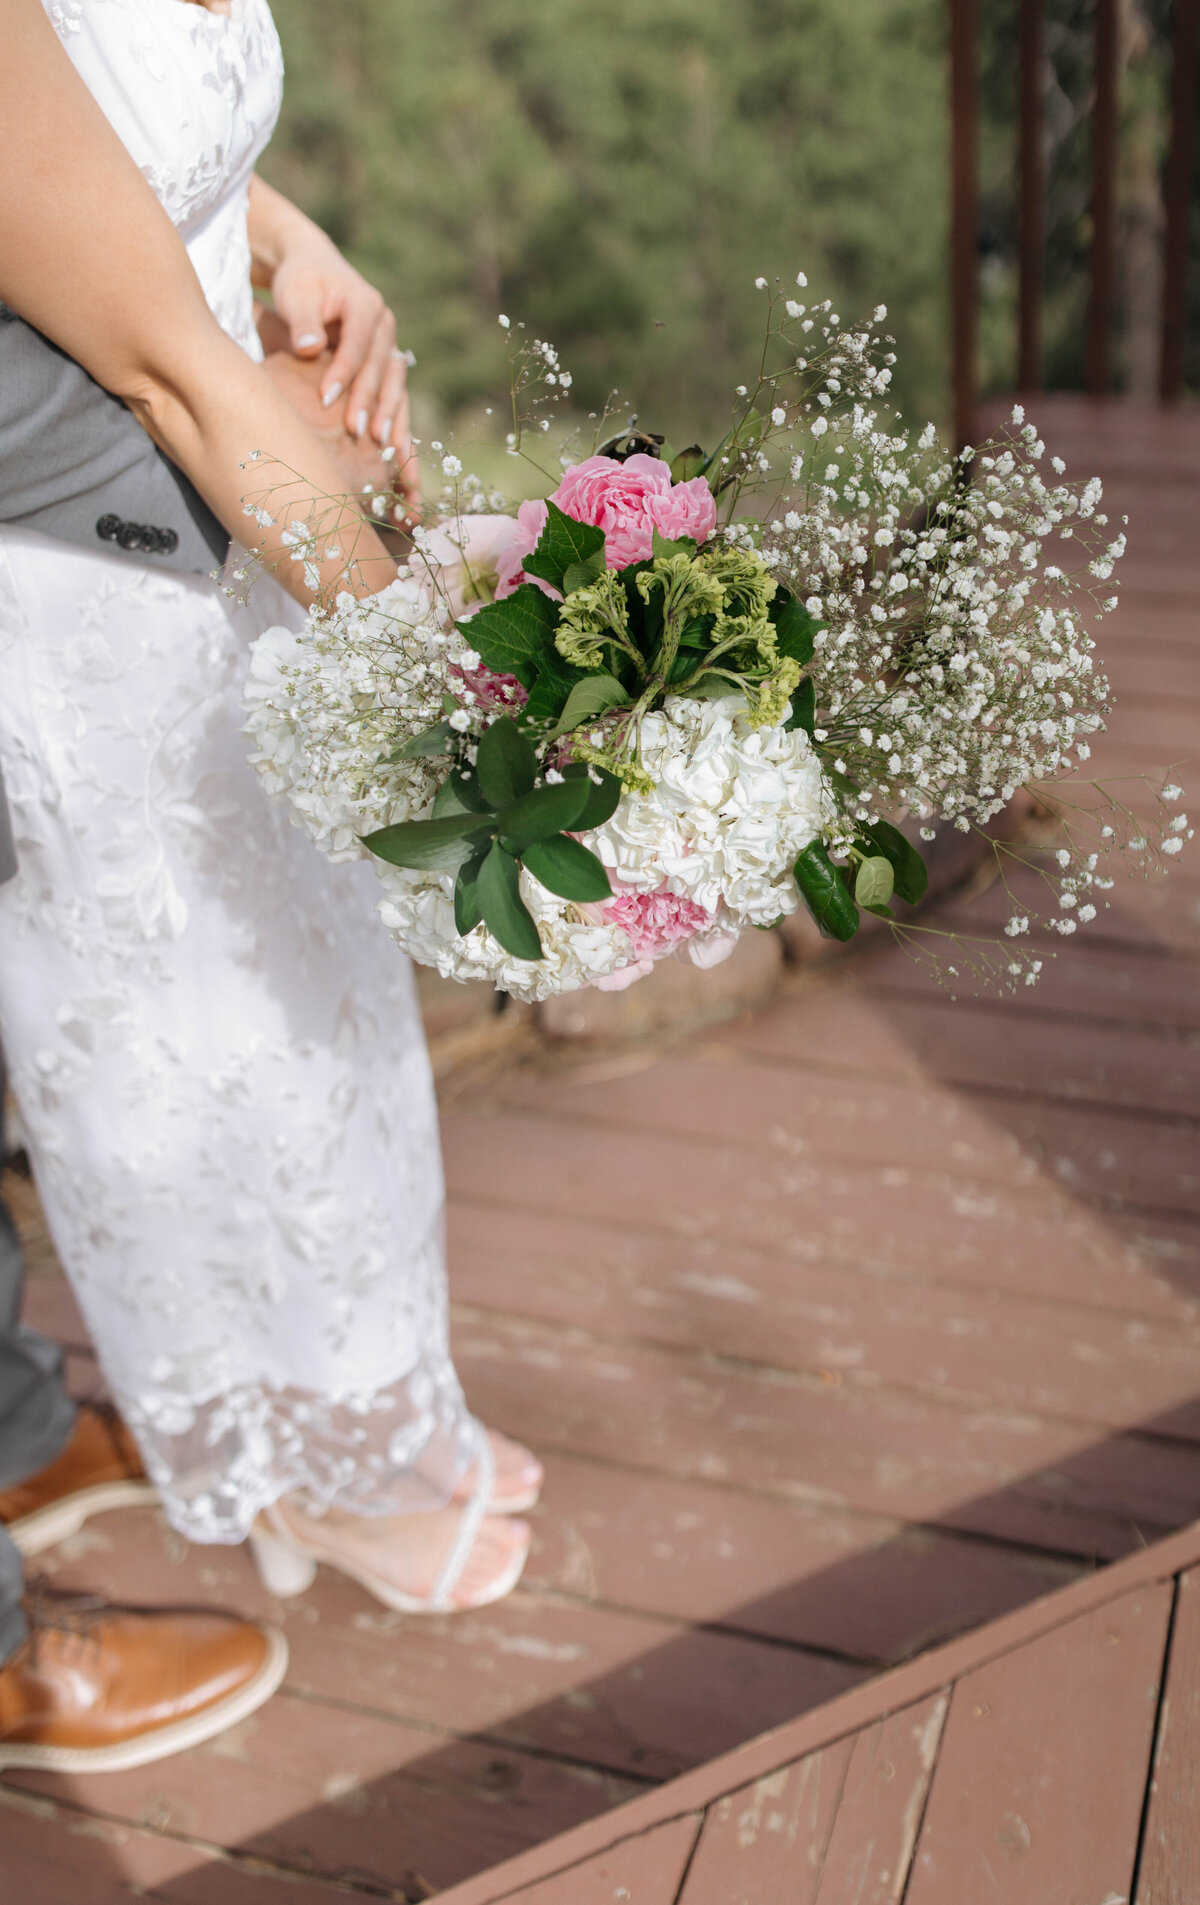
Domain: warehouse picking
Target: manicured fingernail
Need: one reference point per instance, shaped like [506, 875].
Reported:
[385, 432]
[360, 423]
[331, 395]
[306, 342]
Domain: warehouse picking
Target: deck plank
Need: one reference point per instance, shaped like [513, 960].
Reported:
[1170, 1864]
[604, 1688]
[1038, 1355]
[1043, 1765]
[768, 1840]
[869, 1856]
[642, 1871]
[1048, 1483]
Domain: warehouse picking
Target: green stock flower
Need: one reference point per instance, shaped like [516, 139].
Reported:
[689, 590]
[767, 700]
[592, 619]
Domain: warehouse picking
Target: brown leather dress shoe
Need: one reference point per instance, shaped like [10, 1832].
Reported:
[98, 1689]
[99, 1468]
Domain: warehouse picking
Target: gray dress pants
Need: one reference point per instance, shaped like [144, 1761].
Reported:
[36, 1414]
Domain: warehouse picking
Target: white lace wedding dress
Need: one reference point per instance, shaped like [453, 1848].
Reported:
[215, 1049]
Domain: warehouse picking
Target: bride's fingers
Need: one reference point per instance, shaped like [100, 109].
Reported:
[368, 381]
[359, 312]
[391, 398]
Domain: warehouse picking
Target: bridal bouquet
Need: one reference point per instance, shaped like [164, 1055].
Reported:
[683, 695]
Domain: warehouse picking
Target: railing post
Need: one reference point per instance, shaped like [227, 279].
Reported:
[964, 212]
[1104, 201]
[1179, 198]
[1031, 194]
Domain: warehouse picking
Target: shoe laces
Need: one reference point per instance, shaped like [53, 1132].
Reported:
[51, 1611]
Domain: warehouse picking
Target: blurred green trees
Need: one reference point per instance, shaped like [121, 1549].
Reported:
[618, 174]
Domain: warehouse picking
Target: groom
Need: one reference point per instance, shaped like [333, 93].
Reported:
[74, 463]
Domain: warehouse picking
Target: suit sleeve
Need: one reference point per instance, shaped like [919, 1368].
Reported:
[76, 464]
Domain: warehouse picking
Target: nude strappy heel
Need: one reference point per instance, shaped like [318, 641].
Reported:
[287, 1564]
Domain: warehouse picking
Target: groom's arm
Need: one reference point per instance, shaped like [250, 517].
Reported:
[75, 463]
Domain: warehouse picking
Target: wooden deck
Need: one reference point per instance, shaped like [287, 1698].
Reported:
[1049, 1759]
[845, 1329]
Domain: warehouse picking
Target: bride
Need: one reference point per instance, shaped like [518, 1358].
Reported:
[219, 1063]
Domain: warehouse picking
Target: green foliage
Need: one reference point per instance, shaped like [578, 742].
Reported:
[565, 545]
[491, 821]
[910, 874]
[874, 883]
[569, 869]
[593, 696]
[825, 894]
[608, 170]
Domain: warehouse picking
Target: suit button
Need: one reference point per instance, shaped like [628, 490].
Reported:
[108, 527]
[150, 539]
[129, 535]
[168, 541]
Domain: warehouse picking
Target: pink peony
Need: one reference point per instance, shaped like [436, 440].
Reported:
[654, 923]
[531, 520]
[630, 500]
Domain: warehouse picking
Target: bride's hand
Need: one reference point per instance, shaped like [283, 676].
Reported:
[325, 304]
[360, 460]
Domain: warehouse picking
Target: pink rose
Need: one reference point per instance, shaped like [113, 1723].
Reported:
[686, 509]
[630, 500]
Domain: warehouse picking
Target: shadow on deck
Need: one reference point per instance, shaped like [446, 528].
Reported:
[851, 1327]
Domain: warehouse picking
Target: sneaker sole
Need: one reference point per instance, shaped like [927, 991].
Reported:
[32, 1533]
[164, 1740]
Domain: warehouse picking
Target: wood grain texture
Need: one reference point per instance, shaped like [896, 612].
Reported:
[1043, 1765]
[643, 1871]
[1170, 1865]
[768, 1840]
[869, 1856]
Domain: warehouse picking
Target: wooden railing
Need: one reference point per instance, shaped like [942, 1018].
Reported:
[1031, 200]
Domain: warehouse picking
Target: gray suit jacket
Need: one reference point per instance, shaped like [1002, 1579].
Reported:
[76, 464]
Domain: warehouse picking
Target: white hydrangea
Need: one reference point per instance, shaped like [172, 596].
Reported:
[328, 705]
[732, 807]
[418, 909]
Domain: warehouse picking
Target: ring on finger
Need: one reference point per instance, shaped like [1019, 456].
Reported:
[403, 357]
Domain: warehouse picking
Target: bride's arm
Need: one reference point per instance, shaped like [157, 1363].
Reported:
[90, 258]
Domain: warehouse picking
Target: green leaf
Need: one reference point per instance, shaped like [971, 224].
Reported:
[516, 636]
[874, 881]
[428, 843]
[911, 873]
[589, 698]
[465, 783]
[664, 546]
[546, 811]
[449, 799]
[568, 869]
[712, 687]
[688, 464]
[825, 894]
[505, 763]
[579, 574]
[504, 912]
[804, 707]
[603, 799]
[794, 627]
[434, 740]
[562, 542]
[466, 895]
